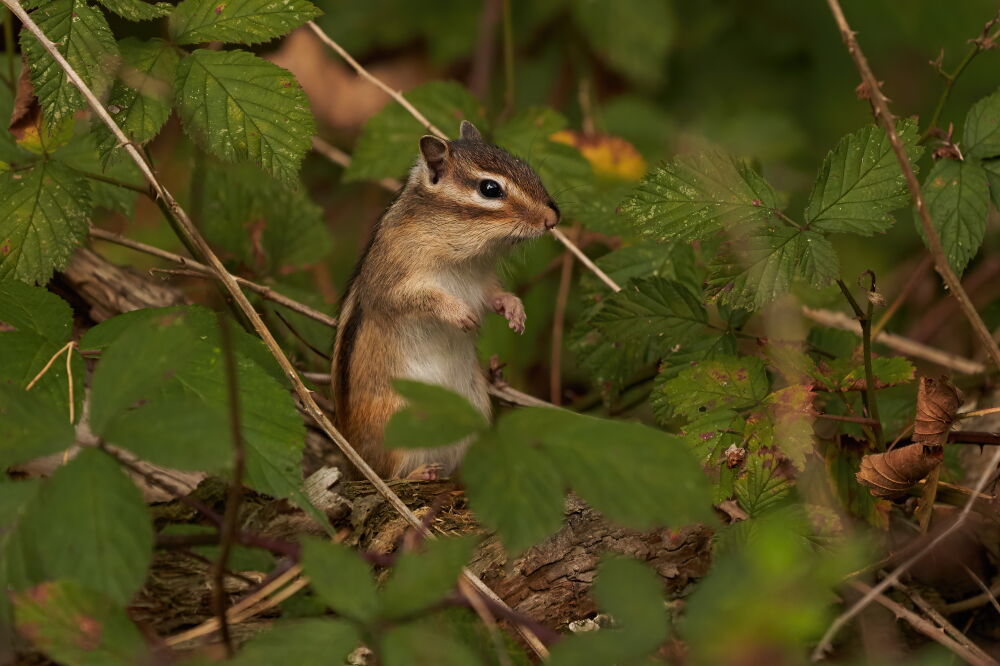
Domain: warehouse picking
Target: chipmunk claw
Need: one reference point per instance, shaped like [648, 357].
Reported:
[512, 309]
[428, 472]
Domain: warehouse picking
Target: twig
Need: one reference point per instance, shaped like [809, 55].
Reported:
[988, 596]
[868, 394]
[585, 260]
[198, 269]
[235, 494]
[559, 325]
[986, 590]
[927, 628]
[979, 412]
[824, 645]
[481, 71]
[337, 156]
[100, 177]
[191, 235]
[395, 94]
[848, 419]
[68, 349]
[978, 46]
[882, 114]
[490, 622]
[943, 622]
[897, 342]
[904, 293]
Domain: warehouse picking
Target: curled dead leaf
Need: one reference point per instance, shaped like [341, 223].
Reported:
[938, 401]
[892, 473]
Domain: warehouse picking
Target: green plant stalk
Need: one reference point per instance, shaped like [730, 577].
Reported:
[871, 407]
[949, 83]
[8, 40]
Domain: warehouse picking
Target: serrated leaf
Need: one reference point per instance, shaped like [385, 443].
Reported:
[244, 109]
[239, 21]
[419, 580]
[614, 28]
[786, 421]
[138, 10]
[142, 94]
[30, 425]
[861, 182]
[90, 524]
[752, 270]
[387, 147]
[652, 307]
[513, 487]
[82, 35]
[848, 374]
[78, 627]
[433, 416]
[957, 198]
[698, 195]
[44, 214]
[729, 383]
[341, 579]
[981, 134]
[417, 644]
[35, 310]
[82, 154]
[259, 221]
[306, 642]
[992, 169]
[23, 355]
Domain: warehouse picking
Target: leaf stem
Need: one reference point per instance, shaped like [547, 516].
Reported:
[114, 181]
[949, 79]
[865, 319]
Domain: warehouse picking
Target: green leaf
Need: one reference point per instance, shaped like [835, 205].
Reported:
[30, 426]
[305, 642]
[633, 595]
[44, 214]
[137, 10]
[387, 147]
[786, 421]
[981, 134]
[91, 524]
[434, 416]
[242, 108]
[35, 310]
[240, 22]
[861, 182]
[83, 37]
[763, 487]
[259, 221]
[514, 488]
[419, 580]
[614, 28]
[418, 644]
[77, 627]
[341, 579]
[848, 374]
[992, 169]
[957, 198]
[652, 307]
[728, 383]
[758, 266]
[142, 94]
[698, 195]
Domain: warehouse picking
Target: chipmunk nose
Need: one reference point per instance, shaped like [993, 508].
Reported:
[551, 218]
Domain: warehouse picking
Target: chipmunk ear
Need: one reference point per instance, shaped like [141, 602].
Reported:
[469, 131]
[435, 154]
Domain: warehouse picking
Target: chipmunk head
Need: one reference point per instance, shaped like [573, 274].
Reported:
[495, 197]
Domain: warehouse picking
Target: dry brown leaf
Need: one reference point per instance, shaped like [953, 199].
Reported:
[26, 115]
[892, 473]
[938, 401]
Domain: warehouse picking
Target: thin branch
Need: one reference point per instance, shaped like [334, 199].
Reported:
[868, 394]
[979, 412]
[825, 643]
[337, 156]
[848, 419]
[481, 71]
[585, 260]
[378, 83]
[100, 177]
[943, 622]
[198, 269]
[68, 349]
[987, 592]
[897, 342]
[988, 596]
[928, 629]
[559, 326]
[235, 494]
[884, 116]
[191, 235]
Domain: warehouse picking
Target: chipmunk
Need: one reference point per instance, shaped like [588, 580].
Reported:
[417, 295]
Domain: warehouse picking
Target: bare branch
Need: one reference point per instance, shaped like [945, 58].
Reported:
[885, 118]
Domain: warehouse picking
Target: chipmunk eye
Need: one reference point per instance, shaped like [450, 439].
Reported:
[490, 189]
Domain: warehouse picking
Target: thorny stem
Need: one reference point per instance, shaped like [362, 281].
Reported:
[235, 495]
[978, 46]
[884, 117]
[865, 319]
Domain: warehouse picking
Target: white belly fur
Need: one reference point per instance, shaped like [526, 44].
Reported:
[438, 353]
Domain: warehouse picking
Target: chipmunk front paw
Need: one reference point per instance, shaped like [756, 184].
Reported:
[462, 318]
[512, 309]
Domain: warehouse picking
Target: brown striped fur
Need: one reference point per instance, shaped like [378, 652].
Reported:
[419, 291]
